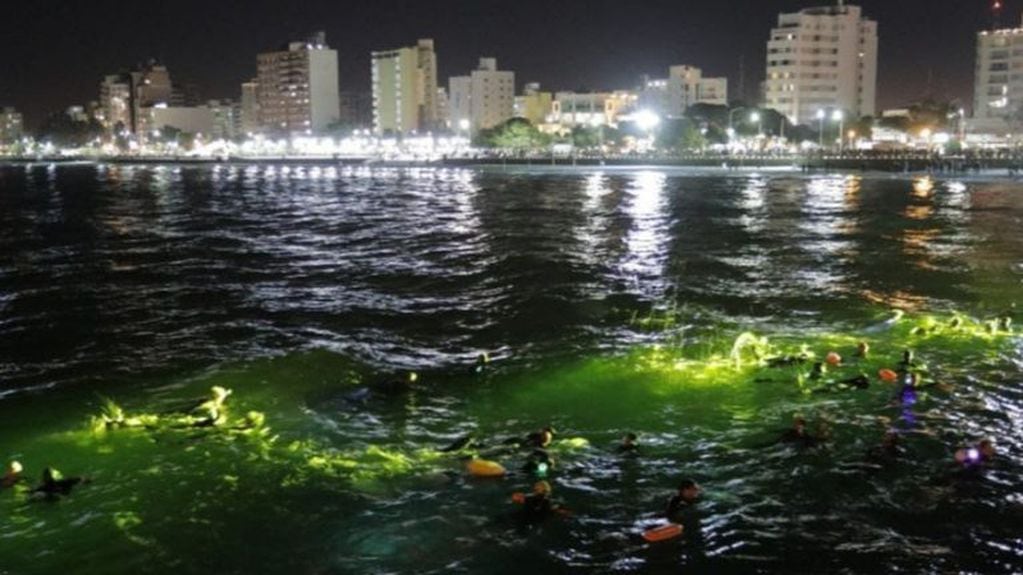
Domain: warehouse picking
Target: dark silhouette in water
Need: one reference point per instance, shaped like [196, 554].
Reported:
[389, 388]
[629, 445]
[54, 484]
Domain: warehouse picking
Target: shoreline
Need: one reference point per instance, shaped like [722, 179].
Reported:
[1003, 167]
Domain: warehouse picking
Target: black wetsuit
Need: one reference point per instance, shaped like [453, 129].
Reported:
[787, 361]
[799, 439]
[54, 487]
[536, 509]
[628, 449]
[538, 440]
[539, 464]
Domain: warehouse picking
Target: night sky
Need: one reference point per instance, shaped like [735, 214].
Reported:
[53, 53]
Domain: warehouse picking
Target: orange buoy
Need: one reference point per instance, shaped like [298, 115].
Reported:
[484, 468]
[663, 533]
[888, 376]
[833, 359]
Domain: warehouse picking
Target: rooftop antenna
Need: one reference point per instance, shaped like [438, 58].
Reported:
[996, 14]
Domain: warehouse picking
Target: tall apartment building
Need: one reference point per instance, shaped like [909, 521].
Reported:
[125, 98]
[298, 87]
[405, 89]
[12, 125]
[248, 109]
[116, 103]
[822, 58]
[485, 98]
[998, 82]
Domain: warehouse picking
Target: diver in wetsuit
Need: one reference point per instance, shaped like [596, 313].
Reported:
[54, 484]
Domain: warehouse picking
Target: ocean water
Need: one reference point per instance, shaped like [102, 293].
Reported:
[607, 301]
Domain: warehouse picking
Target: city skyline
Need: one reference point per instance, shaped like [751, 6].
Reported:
[565, 45]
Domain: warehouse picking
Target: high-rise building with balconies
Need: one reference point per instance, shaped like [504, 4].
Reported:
[822, 58]
[298, 90]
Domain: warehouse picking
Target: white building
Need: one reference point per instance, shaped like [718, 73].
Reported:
[485, 98]
[298, 87]
[11, 125]
[405, 89]
[822, 58]
[685, 86]
[571, 109]
[998, 83]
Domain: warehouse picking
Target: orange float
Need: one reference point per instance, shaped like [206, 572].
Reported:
[483, 468]
[888, 376]
[663, 533]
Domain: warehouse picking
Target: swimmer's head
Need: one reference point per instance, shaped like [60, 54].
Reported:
[542, 488]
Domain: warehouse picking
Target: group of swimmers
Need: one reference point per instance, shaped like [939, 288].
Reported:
[906, 377]
[539, 505]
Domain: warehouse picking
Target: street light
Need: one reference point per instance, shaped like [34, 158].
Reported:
[755, 117]
[646, 120]
[839, 116]
[731, 128]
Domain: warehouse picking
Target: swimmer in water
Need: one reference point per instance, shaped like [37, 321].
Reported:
[818, 371]
[12, 476]
[860, 382]
[538, 507]
[683, 502]
[482, 363]
[539, 464]
[908, 361]
[862, 350]
[799, 436]
[888, 451]
[540, 439]
[629, 445]
[787, 360]
[394, 387]
[54, 484]
[981, 455]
